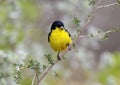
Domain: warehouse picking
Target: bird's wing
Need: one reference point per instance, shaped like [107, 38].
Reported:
[49, 36]
[68, 32]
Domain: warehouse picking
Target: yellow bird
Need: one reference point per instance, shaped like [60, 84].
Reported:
[59, 38]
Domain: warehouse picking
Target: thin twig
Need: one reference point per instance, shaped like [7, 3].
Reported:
[37, 77]
[101, 33]
[46, 71]
[107, 5]
[88, 20]
[37, 83]
[33, 80]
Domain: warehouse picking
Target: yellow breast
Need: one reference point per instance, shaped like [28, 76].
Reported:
[59, 39]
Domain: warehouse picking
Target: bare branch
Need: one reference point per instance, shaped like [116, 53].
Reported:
[100, 33]
[104, 6]
[46, 71]
[33, 80]
[89, 19]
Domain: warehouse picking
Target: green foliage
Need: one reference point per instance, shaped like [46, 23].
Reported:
[92, 2]
[26, 81]
[76, 21]
[13, 15]
[111, 70]
[18, 72]
[34, 65]
[44, 67]
[107, 32]
[18, 77]
[49, 58]
[11, 21]
[29, 10]
[103, 35]
[57, 75]
[4, 75]
[118, 2]
[77, 24]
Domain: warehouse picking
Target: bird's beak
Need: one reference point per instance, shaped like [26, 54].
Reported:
[62, 27]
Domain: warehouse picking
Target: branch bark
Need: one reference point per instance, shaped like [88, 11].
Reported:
[104, 6]
[33, 80]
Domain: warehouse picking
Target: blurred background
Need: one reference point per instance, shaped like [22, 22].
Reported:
[24, 28]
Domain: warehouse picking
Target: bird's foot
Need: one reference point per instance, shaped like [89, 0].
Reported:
[58, 56]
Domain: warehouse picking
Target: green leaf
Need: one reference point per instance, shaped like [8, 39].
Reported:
[92, 2]
[105, 37]
[34, 65]
[76, 21]
[49, 58]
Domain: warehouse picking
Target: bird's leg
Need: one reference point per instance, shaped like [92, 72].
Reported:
[68, 46]
[58, 56]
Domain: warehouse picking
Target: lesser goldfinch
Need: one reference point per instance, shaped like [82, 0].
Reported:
[58, 37]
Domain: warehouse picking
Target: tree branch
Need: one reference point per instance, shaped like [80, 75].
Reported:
[46, 71]
[33, 80]
[107, 5]
[89, 19]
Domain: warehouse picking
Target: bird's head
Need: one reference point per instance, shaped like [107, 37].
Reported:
[57, 24]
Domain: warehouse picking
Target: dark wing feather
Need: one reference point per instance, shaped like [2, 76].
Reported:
[68, 32]
[49, 36]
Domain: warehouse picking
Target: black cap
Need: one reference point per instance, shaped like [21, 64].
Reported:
[57, 24]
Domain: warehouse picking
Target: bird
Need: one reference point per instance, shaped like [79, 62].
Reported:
[58, 37]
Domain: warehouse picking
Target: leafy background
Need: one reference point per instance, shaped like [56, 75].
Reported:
[24, 27]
